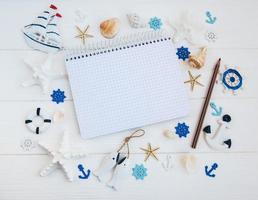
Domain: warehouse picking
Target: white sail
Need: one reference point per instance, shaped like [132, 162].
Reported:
[52, 32]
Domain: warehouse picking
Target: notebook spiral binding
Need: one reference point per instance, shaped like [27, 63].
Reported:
[122, 42]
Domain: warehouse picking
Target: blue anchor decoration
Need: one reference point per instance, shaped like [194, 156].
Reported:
[217, 110]
[208, 172]
[85, 176]
[210, 20]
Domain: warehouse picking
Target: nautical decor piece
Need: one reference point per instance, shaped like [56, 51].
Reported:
[219, 138]
[193, 80]
[208, 171]
[169, 134]
[211, 36]
[231, 79]
[155, 23]
[167, 164]
[150, 152]
[27, 144]
[211, 19]
[39, 121]
[58, 96]
[217, 110]
[42, 75]
[189, 162]
[186, 28]
[61, 157]
[136, 21]
[139, 172]
[84, 174]
[109, 28]
[83, 34]
[183, 53]
[198, 61]
[182, 130]
[116, 163]
[42, 34]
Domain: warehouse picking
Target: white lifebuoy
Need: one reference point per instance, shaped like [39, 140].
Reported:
[33, 124]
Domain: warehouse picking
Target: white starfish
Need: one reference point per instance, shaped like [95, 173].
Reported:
[41, 75]
[61, 157]
[185, 28]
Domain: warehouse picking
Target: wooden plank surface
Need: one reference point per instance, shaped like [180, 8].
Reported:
[237, 45]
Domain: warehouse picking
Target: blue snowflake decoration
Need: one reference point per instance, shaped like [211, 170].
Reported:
[232, 79]
[58, 96]
[182, 130]
[139, 172]
[155, 23]
[183, 53]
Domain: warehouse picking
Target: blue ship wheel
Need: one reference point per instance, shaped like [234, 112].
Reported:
[232, 79]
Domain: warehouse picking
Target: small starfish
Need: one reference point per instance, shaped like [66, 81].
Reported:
[61, 157]
[83, 35]
[193, 80]
[150, 152]
[41, 75]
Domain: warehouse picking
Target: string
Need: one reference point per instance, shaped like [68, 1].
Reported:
[127, 139]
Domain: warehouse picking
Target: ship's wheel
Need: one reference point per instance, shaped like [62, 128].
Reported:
[232, 79]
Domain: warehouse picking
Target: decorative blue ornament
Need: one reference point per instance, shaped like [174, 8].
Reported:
[232, 79]
[139, 172]
[183, 53]
[58, 96]
[182, 129]
[155, 23]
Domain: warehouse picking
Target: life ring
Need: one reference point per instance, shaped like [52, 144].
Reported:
[39, 121]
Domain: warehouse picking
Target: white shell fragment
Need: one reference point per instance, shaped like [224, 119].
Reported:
[136, 21]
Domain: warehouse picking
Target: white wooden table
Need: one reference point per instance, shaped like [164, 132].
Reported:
[236, 176]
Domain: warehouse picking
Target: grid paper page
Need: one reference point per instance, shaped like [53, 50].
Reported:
[127, 88]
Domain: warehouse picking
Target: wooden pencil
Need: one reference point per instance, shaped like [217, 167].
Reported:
[205, 105]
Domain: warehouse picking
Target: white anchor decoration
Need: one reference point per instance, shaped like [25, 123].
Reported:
[116, 163]
[41, 75]
[219, 140]
[167, 165]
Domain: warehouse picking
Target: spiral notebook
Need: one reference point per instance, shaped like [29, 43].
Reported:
[126, 83]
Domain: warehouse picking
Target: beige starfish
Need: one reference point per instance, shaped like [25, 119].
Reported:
[83, 35]
[193, 80]
[150, 152]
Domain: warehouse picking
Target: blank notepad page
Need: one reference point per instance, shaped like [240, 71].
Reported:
[126, 87]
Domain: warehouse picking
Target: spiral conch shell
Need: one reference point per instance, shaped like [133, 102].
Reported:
[136, 21]
[197, 61]
[109, 28]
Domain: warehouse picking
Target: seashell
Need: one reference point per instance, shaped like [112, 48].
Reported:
[169, 134]
[189, 162]
[197, 61]
[136, 21]
[58, 115]
[109, 28]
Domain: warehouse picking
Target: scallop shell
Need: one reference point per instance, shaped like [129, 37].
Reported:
[198, 61]
[109, 28]
[136, 21]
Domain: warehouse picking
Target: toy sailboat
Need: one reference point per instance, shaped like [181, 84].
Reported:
[43, 33]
